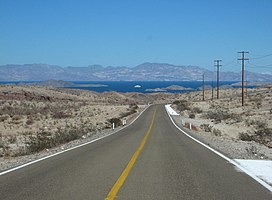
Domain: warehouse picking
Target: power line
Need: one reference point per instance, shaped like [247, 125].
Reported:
[261, 66]
[260, 57]
[230, 62]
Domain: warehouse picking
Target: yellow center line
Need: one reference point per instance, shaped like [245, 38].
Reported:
[114, 190]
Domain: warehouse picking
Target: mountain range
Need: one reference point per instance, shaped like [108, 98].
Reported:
[142, 72]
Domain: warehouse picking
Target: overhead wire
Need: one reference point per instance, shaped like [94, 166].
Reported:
[260, 66]
[260, 57]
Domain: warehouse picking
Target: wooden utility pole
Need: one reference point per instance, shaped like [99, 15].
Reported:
[203, 89]
[212, 89]
[217, 64]
[243, 72]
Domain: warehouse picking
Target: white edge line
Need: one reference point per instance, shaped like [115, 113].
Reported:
[263, 183]
[75, 147]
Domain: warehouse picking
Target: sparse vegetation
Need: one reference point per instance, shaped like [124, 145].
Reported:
[220, 115]
[196, 110]
[245, 136]
[192, 115]
[33, 119]
[206, 127]
[216, 132]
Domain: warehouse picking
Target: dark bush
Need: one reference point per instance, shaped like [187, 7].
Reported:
[216, 132]
[29, 121]
[133, 106]
[182, 105]
[219, 115]
[116, 121]
[192, 115]
[245, 137]
[197, 110]
[259, 124]
[206, 127]
[3, 118]
[16, 117]
[60, 115]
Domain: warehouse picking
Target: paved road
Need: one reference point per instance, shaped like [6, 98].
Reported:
[168, 166]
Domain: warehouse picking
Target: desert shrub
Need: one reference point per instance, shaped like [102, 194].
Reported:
[197, 110]
[39, 142]
[264, 132]
[216, 132]
[116, 121]
[16, 117]
[44, 110]
[60, 115]
[206, 127]
[259, 124]
[128, 113]
[257, 101]
[218, 116]
[262, 136]
[5, 152]
[245, 136]
[69, 135]
[45, 140]
[6, 110]
[192, 115]
[132, 109]
[252, 150]
[3, 118]
[29, 121]
[182, 105]
[248, 122]
[12, 139]
[1, 141]
[133, 106]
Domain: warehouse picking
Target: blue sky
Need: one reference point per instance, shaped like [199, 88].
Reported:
[128, 33]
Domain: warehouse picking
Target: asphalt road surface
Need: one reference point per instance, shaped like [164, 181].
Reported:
[149, 159]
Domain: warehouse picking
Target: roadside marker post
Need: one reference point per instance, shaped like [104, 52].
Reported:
[124, 122]
[113, 126]
[190, 126]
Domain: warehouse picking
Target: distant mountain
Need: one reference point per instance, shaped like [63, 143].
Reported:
[143, 72]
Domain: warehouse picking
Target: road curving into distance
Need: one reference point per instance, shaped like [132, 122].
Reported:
[150, 159]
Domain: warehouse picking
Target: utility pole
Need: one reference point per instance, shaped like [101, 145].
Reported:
[212, 89]
[217, 64]
[203, 89]
[243, 72]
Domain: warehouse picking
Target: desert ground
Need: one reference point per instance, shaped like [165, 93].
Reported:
[238, 131]
[36, 121]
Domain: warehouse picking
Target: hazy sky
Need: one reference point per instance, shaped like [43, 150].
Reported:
[128, 33]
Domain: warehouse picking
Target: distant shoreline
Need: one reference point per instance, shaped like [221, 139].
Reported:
[128, 86]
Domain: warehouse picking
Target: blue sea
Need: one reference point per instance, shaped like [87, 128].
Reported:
[128, 86]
